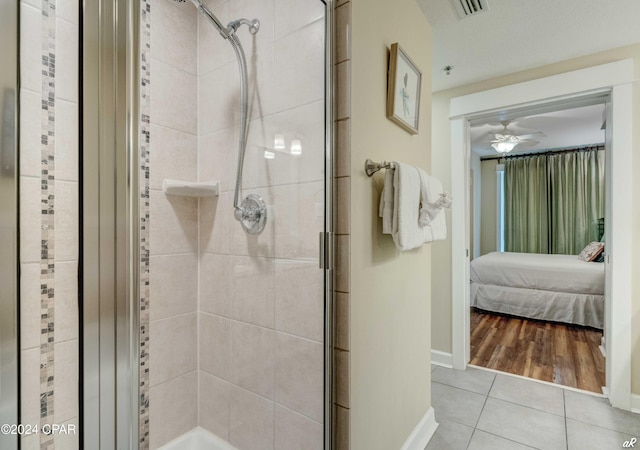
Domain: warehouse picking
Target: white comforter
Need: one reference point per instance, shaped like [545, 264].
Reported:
[562, 273]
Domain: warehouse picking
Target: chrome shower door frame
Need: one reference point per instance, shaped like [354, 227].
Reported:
[9, 303]
[110, 244]
[108, 224]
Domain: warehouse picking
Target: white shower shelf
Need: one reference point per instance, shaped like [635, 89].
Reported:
[191, 188]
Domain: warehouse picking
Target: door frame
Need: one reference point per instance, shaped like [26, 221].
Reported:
[616, 79]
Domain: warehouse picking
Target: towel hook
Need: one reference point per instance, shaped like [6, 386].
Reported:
[371, 167]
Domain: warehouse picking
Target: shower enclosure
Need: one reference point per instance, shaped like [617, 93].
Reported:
[219, 332]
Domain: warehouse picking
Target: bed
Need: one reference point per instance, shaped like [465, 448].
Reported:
[559, 288]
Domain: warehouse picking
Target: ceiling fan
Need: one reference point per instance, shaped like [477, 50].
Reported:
[505, 140]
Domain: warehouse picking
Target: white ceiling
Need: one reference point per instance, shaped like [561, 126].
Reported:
[515, 35]
[574, 127]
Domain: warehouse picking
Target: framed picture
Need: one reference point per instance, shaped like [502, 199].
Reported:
[403, 90]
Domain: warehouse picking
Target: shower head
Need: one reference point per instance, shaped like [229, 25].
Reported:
[231, 28]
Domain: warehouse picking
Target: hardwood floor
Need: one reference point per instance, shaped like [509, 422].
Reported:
[560, 353]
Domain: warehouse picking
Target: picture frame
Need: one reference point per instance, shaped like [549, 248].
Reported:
[403, 90]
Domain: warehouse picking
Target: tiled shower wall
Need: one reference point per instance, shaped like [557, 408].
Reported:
[236, 321]
[173, 224]
[49, 218]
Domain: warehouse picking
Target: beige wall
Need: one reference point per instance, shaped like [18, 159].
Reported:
[390, 291]
[488, 201]
[441, 273]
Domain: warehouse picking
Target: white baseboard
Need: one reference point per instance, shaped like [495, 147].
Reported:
[422, 433]
[635, 403]
[441, 358]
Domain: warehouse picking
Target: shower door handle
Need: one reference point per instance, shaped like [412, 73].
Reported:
[326, 259]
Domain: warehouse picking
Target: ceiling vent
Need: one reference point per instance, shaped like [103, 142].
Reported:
[467, 8]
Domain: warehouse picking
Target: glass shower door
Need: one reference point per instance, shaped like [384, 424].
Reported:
[232, 324]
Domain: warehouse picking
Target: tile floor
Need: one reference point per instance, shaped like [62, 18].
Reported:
[484, 410]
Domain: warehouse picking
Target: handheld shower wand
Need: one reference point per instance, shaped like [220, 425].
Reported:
[252, 212]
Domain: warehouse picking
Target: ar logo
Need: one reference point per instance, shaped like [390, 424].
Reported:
[631, 443]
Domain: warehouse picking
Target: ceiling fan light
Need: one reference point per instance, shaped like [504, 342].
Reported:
[504, 147]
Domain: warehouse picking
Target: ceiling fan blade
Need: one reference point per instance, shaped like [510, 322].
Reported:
[529, 142]
[530, 135]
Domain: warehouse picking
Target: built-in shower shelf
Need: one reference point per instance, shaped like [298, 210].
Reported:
[190, 188]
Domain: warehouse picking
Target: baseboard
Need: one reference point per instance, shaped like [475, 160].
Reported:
[635, 403]
[441, 359]
[422, 433]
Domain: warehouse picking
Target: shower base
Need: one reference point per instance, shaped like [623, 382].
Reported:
[198, 439]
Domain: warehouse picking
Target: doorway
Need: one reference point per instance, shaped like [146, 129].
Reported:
[542, 94]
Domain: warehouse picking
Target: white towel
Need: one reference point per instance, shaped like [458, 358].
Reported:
[406, 231]
[411, 206]
[432, 216]
[386, 202]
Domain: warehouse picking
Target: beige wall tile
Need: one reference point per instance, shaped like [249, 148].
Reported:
[173, 285]
[66, 302]
[217, 158]
[173, 97]
[252, 358]
[253, 290]
[173, 154]
[172, 409]
[69, 438]
[258, 170]
[213, 51]
[215, 345]
[343, 205]
[342, 263]
[292, 15]
[67, 10]
[213, 405]
[30, 219]
[343, 90]
[30, 48]
[66, 125]
[341, 331]
[215, 104]
[66, 221]
[30, 388]
[341, 428]
[67, 60]
[300, 60]
[341, 377]
[215, 284]
[30, 306]
[343, 148]
[30, 133]
[299, 219]
[172, 348]
[215, 214]
[297, 432]
[343, 32]
[173, 224]
[30, 442]
[174, 36]
[66, 401]
[251, 421]
[299, 299]
[299, 375]
[305, 124]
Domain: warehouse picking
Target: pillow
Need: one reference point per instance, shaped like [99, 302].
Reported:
[591, 251]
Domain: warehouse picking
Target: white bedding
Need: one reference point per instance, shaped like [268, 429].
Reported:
[560, 273]
[559, 288]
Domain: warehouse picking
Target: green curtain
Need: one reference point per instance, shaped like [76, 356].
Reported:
[553, 202]
[526, 205]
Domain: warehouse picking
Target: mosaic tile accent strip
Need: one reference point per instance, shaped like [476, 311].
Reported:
[145, 136]
[47, 192]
